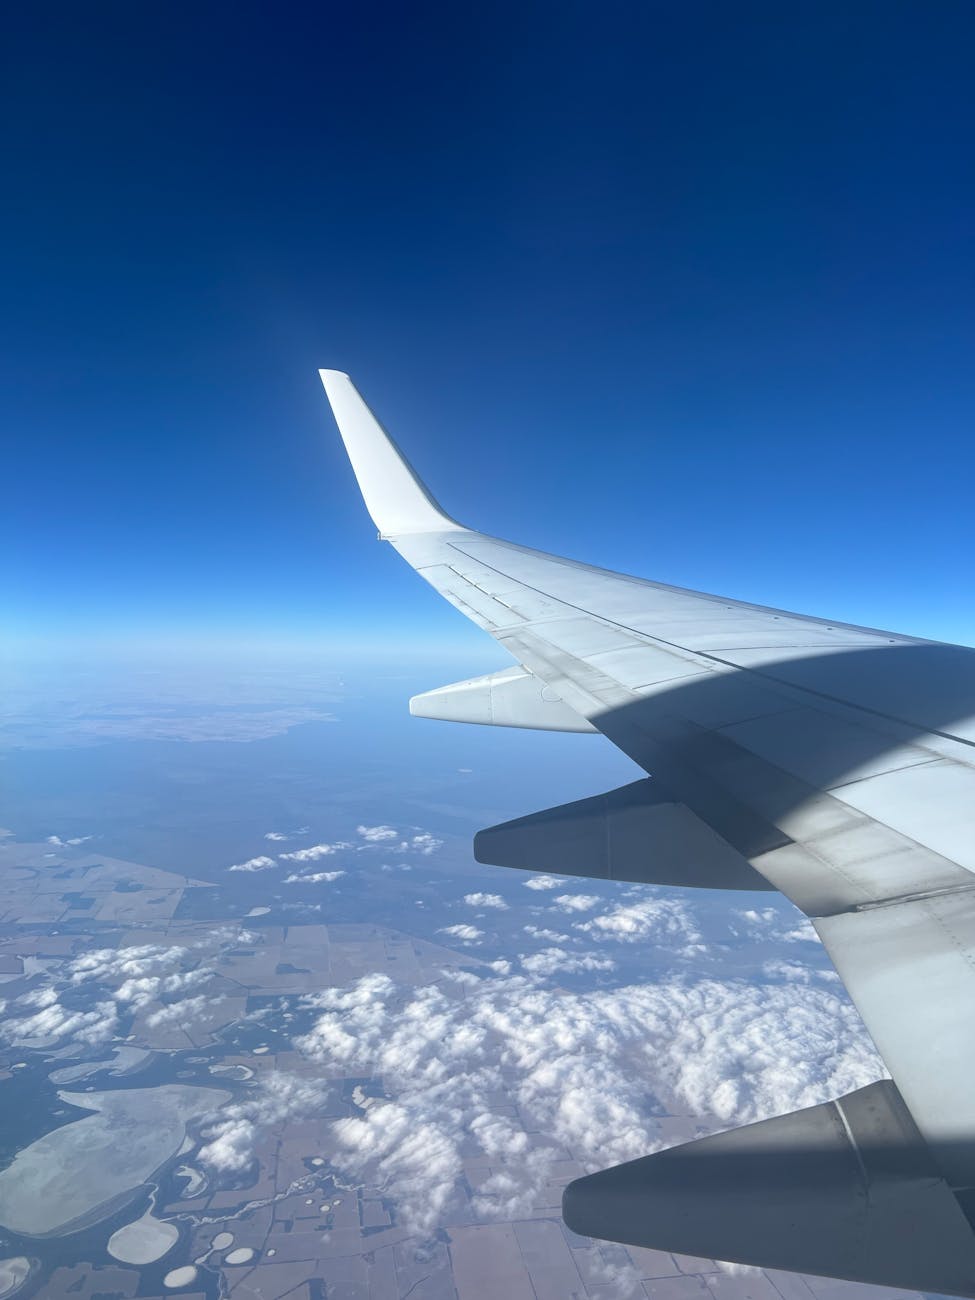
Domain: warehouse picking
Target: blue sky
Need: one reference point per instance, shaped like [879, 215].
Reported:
[684, 290]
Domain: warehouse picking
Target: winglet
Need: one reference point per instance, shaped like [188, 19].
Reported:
[395, 497]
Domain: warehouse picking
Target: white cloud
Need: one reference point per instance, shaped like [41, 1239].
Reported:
[783, 925]
[54, 1023]
[631, 922]
[228, 936]
[262, 863]
[743, 1051]
[766, 916]
[607, 1268]
[575, 1065]
[486, 900]
[45, 996]
[181, 1013]
[543, 882]
[549, 936]
[556, 961]
[135, 976]
[801, 974]
[466, 932]
[230, 1133]
[280, 836]
[388, 838]
[109, 964]
[508, 1193]
[425, 843]
[801, 933]
[406, 1151]
[313, 878]
[314, 853]
[141, 990]
[377, 834]
[576, 902]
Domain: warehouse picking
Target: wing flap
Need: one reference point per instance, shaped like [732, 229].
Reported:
[636, 833]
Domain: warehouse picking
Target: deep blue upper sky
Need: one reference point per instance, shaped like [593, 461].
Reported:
[680, 289]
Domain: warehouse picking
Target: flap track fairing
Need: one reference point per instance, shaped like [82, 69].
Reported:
[636, 833]
[848, 1189]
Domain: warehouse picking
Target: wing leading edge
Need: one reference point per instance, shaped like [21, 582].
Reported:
[835, 763]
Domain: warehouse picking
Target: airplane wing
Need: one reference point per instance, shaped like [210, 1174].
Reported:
[834, 763]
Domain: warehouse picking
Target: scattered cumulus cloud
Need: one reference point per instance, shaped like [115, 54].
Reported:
[543, 882]
[576, 902]
[575, 1064]
[314, 853]
[230, 1133]
[486, 900]
[424, 843]
[182, 1013]
[228, 937]
[784, 925]
[801, 933]
[548, 936]
[45, 996]
[468, 933]
[262, 863]
[140, 990]
[556, 961]
[313, 878]
[377, 834]
[797, 972]
[651, 918]
[370, 838]
[54, 1023]
[615, 1271]
[128, 979]
[765, 916]
[107, 965]
[280, 836]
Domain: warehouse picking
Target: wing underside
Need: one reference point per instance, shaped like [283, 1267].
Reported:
[831, 762]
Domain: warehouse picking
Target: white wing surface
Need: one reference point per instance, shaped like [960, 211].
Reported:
[834, 763]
